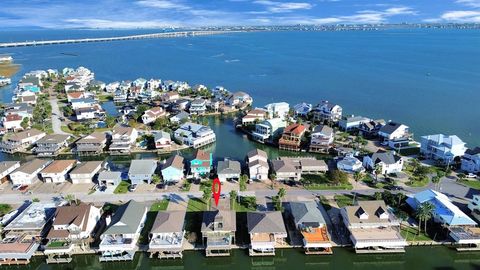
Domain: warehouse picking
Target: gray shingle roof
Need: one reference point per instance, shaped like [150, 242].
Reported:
[147, 166]
[212, 220]
[127, 218]
[228, 167]
[257, 152]
[175, 161]
[265, 222]
[385, 157]
[307, 213]
[170, 221]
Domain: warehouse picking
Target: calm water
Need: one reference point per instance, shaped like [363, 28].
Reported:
[429, 79]
[415, 258]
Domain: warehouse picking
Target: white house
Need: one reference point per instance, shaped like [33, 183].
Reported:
[142, 170]
[327, 111]
[278, 110]
[471, 160]
[302, 109]
[12, 122]
[268, 129]
[20, 141]
[195, 135]
[388, 162]
[322, 138]
[167, 235]
[267, 231]
[84, 172]
[257, 161]
[442, 147]
[27, 173]
[198, 106]
[350, 164]
[162, 139]
[352, 122]
[7, 167]
[252, 116]
[149, 116]
[123, 138]
[57, 171]
[394, 130]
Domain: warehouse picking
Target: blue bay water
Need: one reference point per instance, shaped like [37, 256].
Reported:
[428, 79]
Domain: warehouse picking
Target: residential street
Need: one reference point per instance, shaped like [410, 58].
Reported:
[56, 123]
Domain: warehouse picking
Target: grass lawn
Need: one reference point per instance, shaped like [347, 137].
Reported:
[122, 188]
[411, 234]
[104, 98]
[475, 184]
[206, 184]
[196, 205]
[418, 182]
[321, 182]
[56, 244]
[186, 185]
[5, 208]
[325, 203]
[159, 205]
[242, 206]
[348, 200]
[66, 129]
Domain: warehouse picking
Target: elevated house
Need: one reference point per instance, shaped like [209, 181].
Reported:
[257, 161]
[119, 241]
[22, 236]
[198, 106]
[181, 117]
[7, 167]
[388, 162]
[292, 136]
[28, 172]
[20, 141]
[267, 231]
[71, 229]
[326, 111]
[352, 123]
[462, 229]
[84, 172]
[268, 130]
[173, 169]
[195, 135]
[123, 138]
[471, 160]
[277, 110]
[149, 116]
[201, 164]
[92, 144]
[302, 109]
[228, 170]
[395, 132]
[162, 139]
[57, 171]
[322, 138]
[89, 113]
[142, 170]
[218, 231]
[443, 148]
[239, 99]
[51, 145]
[167, 235]
[285, 170]
[370, 129]
[254, 116]
[12, 122]
[109, 178]
[309, 221]
[350, 164]
[373, 228]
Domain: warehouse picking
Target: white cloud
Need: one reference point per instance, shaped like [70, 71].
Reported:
[163, 4]
[462, 16]
[470, 3]
[281, 7]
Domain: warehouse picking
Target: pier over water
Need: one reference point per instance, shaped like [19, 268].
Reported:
[131, 37]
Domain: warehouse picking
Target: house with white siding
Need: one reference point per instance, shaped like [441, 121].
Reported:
[326, 111]
[443, 148]
[57, 171]
[28, 172]
[85, 172]
[471, 160]
[389, 162]
[257, 161]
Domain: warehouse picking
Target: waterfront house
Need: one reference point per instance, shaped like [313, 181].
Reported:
[267, 231]
[239, 99]
[388, 162]
[173, 169]
[88, 113]
[7, 167]
[285, 170]
[109, 178]
[471, 160]
[253, 116]
[71, 229]
[120, 96]
[20, 141]
[309, 221]
[123, 138]
[350, 164]
[51, 145]
[170, 96]
[352, 123]
[268, 130]
[394, 131]
[112, 87]
[119, 241]
[307, 165]
[167, 235]
[85, 172]
[198, 106]
[228, 170]
[474, 205]
[195, 135]
[442, 148]
[370, 129]
[462, 229]
[326, 111]
[322, 138]
[257, 161]
[27, 173]
[23, 235]
[12, 122]
[92, 144]
[149, 116]
[292, 136]
[180, 118]
[75, 95]
[218, 231]
[201, 164]
[22, 109]
[142, 170]
[162, 139]
[277, 110]
[82, 103]
[373, 228]
[181, 104]
[302, 109]
[57, 171]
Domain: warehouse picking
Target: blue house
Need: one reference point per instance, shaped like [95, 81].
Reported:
[201, 164]
[172, 169]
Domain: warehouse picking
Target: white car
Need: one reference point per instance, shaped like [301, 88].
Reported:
[471, 175]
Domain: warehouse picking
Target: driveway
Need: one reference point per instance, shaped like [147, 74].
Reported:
[56, 114]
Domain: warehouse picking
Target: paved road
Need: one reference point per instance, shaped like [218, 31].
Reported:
[56, 123]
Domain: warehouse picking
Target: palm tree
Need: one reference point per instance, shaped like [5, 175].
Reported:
[377, 170]
[424, 213]
[70, 199]
[357, 176]
[281, 193]
[233, 198]
[206, 196]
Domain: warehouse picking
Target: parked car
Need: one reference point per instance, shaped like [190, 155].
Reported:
[16, 187]
[102, 188]
[23, 188]
[132, 188]
[471, 175]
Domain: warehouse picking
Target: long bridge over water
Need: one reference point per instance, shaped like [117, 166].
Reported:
[105, 39]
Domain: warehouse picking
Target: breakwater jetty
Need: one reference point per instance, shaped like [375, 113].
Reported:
[106, 39]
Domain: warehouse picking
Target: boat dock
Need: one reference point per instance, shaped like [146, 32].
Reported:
[106, 39]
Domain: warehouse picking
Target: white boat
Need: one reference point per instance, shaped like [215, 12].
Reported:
[6, 58]
[8, 217]
[4, 81]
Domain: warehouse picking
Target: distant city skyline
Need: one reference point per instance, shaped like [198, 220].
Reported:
[129, 14]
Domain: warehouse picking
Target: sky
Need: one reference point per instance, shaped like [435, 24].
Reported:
[58, 14]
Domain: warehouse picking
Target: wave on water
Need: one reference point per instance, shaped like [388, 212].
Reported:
[232, 60]
[218, 55]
